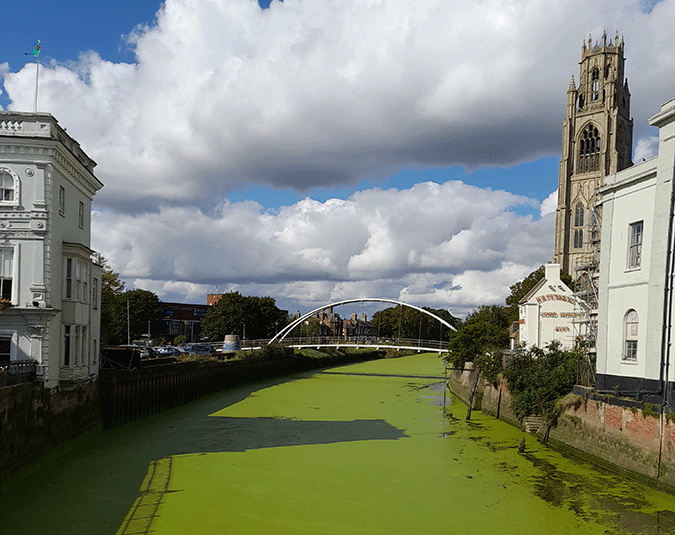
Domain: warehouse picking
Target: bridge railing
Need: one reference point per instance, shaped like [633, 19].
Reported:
[369, 341]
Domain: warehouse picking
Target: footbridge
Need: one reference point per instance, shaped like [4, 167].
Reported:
[361, 341]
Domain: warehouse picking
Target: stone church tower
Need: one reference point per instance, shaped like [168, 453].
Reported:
[597, 141]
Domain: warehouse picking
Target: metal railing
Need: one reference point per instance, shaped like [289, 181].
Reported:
[350, 341]
[17, 371]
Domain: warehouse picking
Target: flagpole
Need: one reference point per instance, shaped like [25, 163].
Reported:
[37, 74]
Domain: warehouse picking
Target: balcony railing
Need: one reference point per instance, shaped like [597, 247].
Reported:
[17, 371]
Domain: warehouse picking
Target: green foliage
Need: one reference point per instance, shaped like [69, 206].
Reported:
[143, 307]
[275, 351]
[111, 288]
[538, 378]
[179, 340]
[411, 323]
[648, 410]
[310, 328]
[235, 313]
[484, 331]
[489, 363]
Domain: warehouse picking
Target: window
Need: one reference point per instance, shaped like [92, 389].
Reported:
[6, 186]
[635, 245]
[630, 336]
[94, 293]
[589, 150]
[5, 348]
[76, 276]
[579, 215]
[595, 84]
[578, 238]
[80, 215]
[66, 345]
[62, 200]
[6, 269]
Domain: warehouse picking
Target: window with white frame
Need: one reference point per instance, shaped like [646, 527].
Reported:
[6, 272]
[76, 277]
[9, 187]
[62, 200]
[635, 245]
[630, 336]
[80, 215]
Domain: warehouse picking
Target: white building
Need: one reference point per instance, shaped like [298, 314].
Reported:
[47, 270]
[635, 307]
[547, 312]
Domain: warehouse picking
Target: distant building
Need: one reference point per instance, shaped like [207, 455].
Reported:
[48, 272]
[548, 312]
[355, 328]
[636, 297]
[181, 319]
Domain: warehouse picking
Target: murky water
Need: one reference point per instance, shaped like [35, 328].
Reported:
[362, 449]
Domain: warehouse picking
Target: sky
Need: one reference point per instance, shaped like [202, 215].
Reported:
[317, 151]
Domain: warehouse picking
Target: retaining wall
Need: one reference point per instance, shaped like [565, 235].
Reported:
[620, 438]
[34, 420]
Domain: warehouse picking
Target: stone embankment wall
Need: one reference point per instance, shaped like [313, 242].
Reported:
[621, 438]
[34, 419]
[628, 439]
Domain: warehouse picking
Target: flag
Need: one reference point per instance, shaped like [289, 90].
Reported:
[36, 50]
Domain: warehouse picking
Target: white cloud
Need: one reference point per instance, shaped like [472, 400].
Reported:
[549, 205]
[467, 247]
[646, 148]
[306, 94]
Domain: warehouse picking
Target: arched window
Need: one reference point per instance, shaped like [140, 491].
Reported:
[589, 150]
[579, 215]
[630, 321]
[580, 101]
[578, 238]
[9, 187]
[595, 84]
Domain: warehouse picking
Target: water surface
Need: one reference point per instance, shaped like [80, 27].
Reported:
[360, 449]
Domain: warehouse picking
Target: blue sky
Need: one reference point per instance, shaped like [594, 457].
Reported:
[317, 152]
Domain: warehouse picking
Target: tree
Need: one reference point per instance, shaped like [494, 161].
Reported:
[485, 330]
[143, 307]
[234, 313]
[411, 323]
[111, 288]
[538, 378]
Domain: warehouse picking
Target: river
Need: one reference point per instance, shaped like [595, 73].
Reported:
[360, 449]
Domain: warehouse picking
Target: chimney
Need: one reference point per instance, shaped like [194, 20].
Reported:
[364, 318]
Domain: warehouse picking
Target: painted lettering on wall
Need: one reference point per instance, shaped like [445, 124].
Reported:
[555, 297]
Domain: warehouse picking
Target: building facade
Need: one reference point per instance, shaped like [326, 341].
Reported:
[48, 273]
[548, 312]
[597, 141]
[636, 301]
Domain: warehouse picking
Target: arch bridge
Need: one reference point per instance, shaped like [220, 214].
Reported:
[316, 342]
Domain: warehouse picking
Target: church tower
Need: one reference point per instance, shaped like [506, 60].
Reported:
[597, 141]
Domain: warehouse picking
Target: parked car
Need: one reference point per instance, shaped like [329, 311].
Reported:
[197, 349]
[168, 351]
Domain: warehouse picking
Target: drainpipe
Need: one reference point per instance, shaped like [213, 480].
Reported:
[668, 304]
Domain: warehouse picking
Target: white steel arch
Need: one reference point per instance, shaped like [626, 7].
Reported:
[283, 332]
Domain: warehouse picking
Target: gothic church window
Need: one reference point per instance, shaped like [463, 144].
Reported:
[595, 84]
[578, 238]
[579, 215]
[589, 150]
